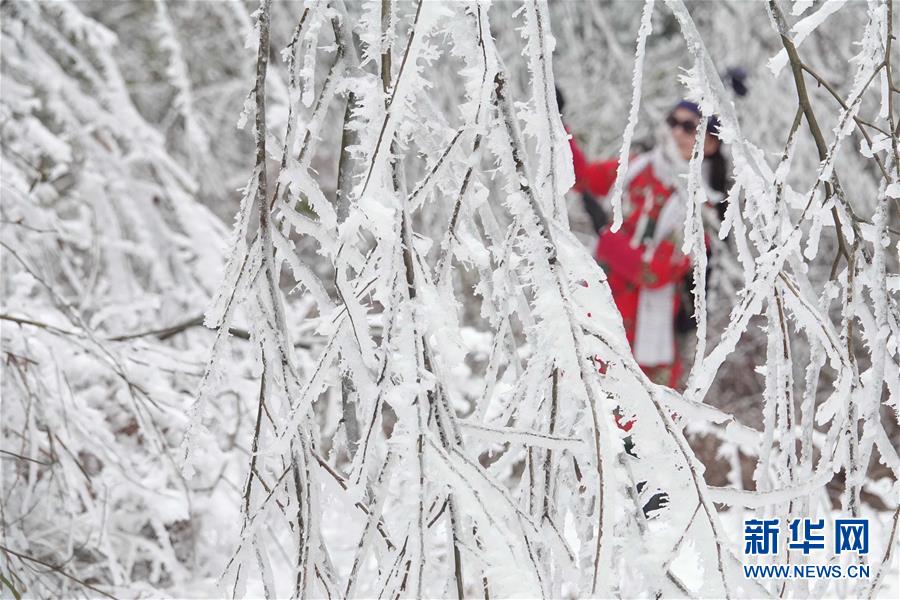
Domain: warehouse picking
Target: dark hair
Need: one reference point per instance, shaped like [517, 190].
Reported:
[719, 179]
[718, 171]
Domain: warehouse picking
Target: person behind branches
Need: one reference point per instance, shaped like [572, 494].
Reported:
[645, 266]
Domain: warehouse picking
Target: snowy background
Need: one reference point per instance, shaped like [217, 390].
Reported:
[296, 300]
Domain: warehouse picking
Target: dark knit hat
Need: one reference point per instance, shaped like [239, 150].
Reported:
[688, 105]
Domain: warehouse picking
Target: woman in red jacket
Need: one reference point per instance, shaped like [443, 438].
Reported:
[643, 259]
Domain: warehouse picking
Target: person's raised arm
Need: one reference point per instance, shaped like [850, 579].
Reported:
[596, 178]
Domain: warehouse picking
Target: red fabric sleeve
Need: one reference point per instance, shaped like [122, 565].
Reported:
[666, 266]
[615, 251]
[596, 178]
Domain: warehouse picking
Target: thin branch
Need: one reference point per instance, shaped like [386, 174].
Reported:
[56, 569]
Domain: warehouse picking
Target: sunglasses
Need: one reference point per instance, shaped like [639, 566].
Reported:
[688, 126]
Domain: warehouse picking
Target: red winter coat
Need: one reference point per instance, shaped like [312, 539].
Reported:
[627, 271]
